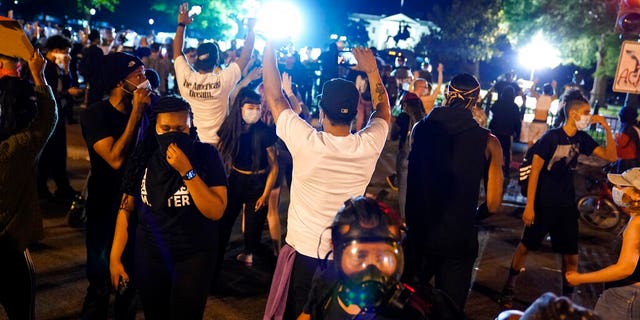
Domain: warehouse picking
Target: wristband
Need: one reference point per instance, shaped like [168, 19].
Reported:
[180, 24]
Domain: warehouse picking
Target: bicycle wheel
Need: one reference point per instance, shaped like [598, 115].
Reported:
[598, 213]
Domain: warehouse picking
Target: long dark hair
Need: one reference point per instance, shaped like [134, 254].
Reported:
[233, 126]
[139, 160]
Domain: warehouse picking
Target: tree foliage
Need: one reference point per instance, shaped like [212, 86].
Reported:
[469, 30]
[581, 28]
[218, 20]
[84, 6]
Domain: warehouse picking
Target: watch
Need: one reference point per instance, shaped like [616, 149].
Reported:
[190, 174]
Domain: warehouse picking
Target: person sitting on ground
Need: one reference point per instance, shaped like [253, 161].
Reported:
[364, 282]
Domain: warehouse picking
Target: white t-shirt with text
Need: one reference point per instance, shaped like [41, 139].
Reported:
[208, 95]
[327, 171]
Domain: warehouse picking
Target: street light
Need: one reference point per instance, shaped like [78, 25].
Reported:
[539, 54]
[279, 20]
[92, 11]
[151, 21]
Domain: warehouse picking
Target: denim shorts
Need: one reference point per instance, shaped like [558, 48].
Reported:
[619, 303]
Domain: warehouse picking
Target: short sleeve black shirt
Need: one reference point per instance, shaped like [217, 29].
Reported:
[179, 226]
[560, 154]
[101, 120]
[258, 136]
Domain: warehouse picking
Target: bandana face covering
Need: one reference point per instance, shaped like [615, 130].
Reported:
[162, 180]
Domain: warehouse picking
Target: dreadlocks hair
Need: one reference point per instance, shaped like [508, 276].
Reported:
[233, 126]
[137, 164]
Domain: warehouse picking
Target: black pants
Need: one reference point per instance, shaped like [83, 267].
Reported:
[300, 284]
[452, 274]
[53, 163]
[505, 143]
[17, 283]
[170, 286]
[244, 190]
[99, 237]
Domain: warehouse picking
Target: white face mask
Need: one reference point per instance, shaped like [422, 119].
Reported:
[616, 195]
[584, 122]
[251, 116]
[143, 85]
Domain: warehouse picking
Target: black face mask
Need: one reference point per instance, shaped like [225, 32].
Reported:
[183, 140]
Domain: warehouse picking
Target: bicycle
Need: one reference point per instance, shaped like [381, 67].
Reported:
[597, 210]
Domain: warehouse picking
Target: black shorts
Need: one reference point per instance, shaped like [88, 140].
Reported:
[561, 223]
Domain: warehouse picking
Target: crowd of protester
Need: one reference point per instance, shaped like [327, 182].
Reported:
[182, 141]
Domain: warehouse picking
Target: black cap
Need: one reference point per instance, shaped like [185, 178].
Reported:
[208, 56]
[118, 66]
[339, 100]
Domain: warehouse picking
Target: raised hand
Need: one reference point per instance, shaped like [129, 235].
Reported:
[366, 60]
[286, 84]
[36, 65]
[183, 14]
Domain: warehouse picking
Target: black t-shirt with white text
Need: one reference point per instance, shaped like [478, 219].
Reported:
[560, 154]
[178, 226]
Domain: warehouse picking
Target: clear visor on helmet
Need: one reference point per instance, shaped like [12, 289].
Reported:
[386, 256]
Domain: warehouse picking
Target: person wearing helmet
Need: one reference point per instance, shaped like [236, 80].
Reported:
[364, 280]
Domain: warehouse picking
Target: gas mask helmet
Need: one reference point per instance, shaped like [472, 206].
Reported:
[584, 122]
[367, 254]
[370, 272]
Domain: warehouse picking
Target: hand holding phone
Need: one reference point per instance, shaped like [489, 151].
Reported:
[123, 285]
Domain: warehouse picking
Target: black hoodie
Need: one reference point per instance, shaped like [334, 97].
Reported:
[446, 164]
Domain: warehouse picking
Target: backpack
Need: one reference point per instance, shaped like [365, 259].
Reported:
[524, 172]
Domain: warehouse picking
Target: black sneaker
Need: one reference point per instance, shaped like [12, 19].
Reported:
[392, 181]
[506, 298]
